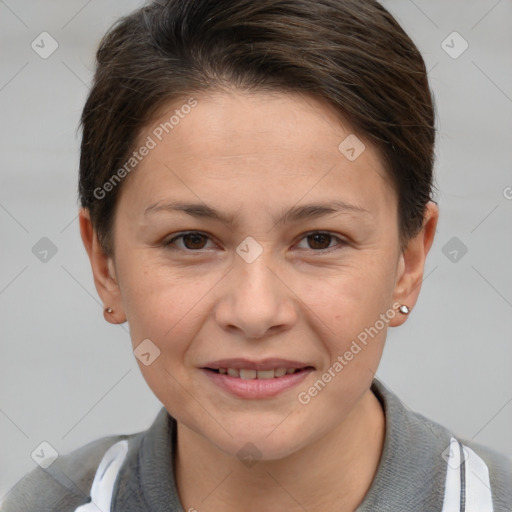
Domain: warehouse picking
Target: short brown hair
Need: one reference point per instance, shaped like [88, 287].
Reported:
[351, 53]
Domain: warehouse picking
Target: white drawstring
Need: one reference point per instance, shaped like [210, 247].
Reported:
[467, 481]
[105, 478]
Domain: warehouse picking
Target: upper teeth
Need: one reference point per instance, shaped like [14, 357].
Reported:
[256, 374]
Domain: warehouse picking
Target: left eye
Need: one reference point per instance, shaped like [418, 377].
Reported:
[195, 241]
[320, 240]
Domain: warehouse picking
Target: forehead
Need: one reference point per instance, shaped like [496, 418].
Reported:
[245, 146]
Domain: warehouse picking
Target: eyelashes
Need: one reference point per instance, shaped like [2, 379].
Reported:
[323, 235]
[192, 239]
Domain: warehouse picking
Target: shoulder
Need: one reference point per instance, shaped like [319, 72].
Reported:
[494, 459]
[438, 463]
[64, 485]
[492, 467]
[482, 470]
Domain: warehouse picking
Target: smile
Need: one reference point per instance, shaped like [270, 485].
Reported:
[249, 374]
[248, 383]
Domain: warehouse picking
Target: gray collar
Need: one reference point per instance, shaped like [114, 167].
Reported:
[411, 472]
[410, 475]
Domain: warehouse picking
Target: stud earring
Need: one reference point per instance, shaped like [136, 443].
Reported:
[109, 310]
[404, 309]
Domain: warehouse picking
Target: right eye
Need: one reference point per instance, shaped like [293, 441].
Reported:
[192, 241]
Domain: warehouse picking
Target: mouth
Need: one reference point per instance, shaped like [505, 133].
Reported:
[256, 379]
[250, 374]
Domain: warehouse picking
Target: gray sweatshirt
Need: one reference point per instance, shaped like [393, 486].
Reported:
[424, 467]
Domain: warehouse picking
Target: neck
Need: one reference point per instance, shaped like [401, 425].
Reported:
[332, 474]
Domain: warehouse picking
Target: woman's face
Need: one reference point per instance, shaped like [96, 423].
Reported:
[266, 275]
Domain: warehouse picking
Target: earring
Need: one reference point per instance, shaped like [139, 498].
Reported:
[109, 310]
[404, 309]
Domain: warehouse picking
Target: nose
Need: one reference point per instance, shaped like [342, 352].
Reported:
[256, 300]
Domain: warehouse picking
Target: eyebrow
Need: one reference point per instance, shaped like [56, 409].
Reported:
[287, 216]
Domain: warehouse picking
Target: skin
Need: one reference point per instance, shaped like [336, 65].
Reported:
[253, 155]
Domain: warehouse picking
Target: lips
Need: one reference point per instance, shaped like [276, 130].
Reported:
[256, 384]
[248, 370]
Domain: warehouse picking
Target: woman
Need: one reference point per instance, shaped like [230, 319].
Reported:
[256, 192]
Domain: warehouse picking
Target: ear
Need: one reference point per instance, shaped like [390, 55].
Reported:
[103, 271]
[411, 264]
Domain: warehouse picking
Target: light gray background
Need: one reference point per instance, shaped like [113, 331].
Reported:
[68, 377]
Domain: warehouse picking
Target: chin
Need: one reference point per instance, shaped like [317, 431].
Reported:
[257, 445]
[249, 451]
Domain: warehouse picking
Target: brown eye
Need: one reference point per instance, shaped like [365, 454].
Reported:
[192, 241]
[322, 241]
[319, 240]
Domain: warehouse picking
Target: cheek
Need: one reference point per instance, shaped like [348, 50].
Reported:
[352, 311]
[166, 308]
[353, 297]
[163, 303]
